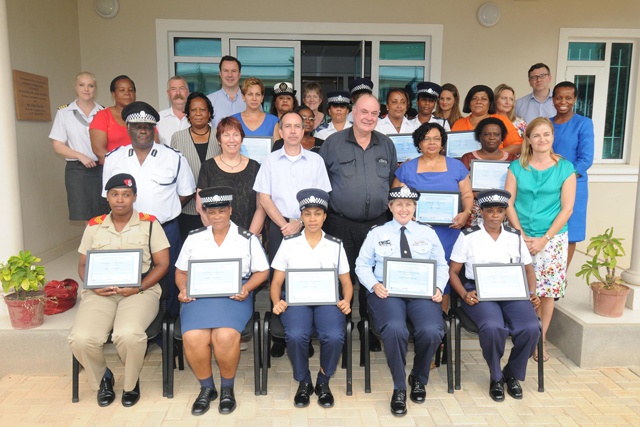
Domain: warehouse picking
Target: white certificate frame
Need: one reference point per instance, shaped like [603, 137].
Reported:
[412, 273]
[488, 174]
[325, 292]
[256, 147]
[113, 267]
[405, 148]
[501, 282]
[212, 278]
[448, 205]
[461, 142]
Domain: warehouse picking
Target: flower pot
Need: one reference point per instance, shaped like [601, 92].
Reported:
[609, 302]
[27, 313]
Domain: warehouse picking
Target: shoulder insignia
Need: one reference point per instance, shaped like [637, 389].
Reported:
[62, 107]
[374, 226]
[173, 149]
[146, 217]
[113, 151]
[333, 239]
[512, 230]
[97, 220]
[291, 236]
[470, 230]
[244, 233]
[197, 230]
[425, 224]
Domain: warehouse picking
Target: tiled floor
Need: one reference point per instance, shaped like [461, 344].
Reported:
[573, 397]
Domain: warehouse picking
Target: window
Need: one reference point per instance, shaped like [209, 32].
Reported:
[196, 59]
[401, 63]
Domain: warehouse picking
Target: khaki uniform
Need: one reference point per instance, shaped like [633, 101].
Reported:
[126, 318]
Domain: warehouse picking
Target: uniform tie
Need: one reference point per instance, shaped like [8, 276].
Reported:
[405, 251]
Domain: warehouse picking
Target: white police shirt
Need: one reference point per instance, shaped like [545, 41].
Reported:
[476, 246]
[295, 252]
[326, 130]
[408, 126]
[161, 179]
[68, 127]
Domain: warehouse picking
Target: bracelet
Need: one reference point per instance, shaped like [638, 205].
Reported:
[140, 290]
[547, 237]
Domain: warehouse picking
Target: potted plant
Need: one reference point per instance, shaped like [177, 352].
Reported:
[24, 279]
[609, 294]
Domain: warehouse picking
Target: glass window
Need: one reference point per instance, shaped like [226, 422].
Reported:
[584, 104]
[402, 51]
[391, 77]
[581, 51]
[186, 46]
[617, 100]
[200, 77]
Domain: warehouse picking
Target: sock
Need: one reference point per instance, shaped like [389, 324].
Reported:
[322, 378]
[207, 383]
[108, 374]
[226, 382]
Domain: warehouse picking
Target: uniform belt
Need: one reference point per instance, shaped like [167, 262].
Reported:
[164, 224]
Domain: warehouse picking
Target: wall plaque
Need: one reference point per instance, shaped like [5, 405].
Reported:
[32, 96]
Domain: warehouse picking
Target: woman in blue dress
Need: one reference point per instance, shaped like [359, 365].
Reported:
[255, 122]
[573, 141]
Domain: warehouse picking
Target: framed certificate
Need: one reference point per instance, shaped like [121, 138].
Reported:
[256, 148]
[438, 207]
[488, 174]
[498, 282]
[312, 286]
[410, 278]
[460, 143]
[214, 278]
[404, 146]
[117, 267]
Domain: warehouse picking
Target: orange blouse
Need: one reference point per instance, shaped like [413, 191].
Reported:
[512, 138]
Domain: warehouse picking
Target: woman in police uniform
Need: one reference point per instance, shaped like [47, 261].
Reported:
[492, 242]
[404, 238]
[312, 248]
[218, 321]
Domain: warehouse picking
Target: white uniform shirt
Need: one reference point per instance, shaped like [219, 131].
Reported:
[170, 124]
[328, 129]
[476, 246]
[385, 126]
[200, 244]
[442, 122]
[68, 129]
[295, 252]
[161, 179]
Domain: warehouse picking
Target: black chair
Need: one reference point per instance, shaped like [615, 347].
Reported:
[365, 353]
[273, 327]
[157, 327]
[464, 321]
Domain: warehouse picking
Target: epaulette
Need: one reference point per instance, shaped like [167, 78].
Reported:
[97, 220]
[470, 230]
[374, 226]
[113, 151]
[63, 106]
[512, 230]
[244, 233]
[425, 224]
[197, 230]
[171, 148]
[291, 236]
[333, 239]
[146, 217]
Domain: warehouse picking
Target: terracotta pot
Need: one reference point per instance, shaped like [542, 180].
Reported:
[609, 302]
[27, 313]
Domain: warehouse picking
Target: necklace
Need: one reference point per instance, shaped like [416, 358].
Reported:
[228, 165]
[201, 134]
[434, 163]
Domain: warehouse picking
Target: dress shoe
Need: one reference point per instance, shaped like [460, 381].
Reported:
[418, 393]
[399, 403]
[201, 405]
[301, 400]
[325, 398]
[513, 387]
[130, 398]
[496, 391]
[106, 395]
[227, 402]
[277, 349]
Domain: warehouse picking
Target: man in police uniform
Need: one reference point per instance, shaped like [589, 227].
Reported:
[127, 311]
[174, 118]
[163, 175]
[338, 102]
[428, 95]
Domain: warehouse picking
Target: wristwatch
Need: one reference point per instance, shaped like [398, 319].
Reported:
[140, 290]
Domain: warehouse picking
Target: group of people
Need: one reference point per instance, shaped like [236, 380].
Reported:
[332, 194]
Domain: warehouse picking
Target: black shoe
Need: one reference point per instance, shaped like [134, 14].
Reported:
[277, 349]
[206, 396]
[227, 402]
[496, 391]
[130, 398]
[106, 395]
[325, 398]
[418, 393]
[513, 387]
[311, 350]
[399, 403]
[301, 400]
[374, 343]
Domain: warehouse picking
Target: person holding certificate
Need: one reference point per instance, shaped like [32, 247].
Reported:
[492, 242]
[404, 238]
[312, 249]
[123, 312]
[217, 321]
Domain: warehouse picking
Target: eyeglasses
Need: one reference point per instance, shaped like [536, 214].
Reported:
[539, 77]
[308, 119]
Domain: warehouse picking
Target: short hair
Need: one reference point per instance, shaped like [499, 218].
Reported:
[88, 74]
[174, 78]
[112, 86]
[302, 107]
[566, 84]
[229, 123]
[401, 91]
[290, 112]
[230, 58]
[420, 133]
[312, 86]
[536, 66]
[251, 81]
[475, 89]
[490, 121]
[198, 95]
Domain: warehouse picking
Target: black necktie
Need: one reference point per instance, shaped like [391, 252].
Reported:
[405, 252]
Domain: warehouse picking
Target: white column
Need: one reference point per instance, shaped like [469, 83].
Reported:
[632, 275]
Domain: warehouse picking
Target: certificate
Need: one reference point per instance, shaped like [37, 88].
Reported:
[497, 282]
[488, 174]
[214, 278]
[410, 278]
[404, 146]
[118, 267]
[438, 207]
[312, 286]
[256, 148]
[460, 143]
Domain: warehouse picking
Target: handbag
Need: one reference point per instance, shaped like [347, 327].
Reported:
[60, 296]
